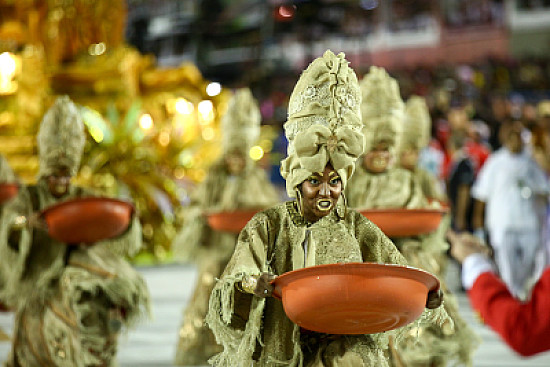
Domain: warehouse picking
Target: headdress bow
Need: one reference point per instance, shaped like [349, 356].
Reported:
[318, 145]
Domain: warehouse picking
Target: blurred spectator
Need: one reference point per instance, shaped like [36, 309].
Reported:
[514, 190]
[459, 183]
[476, 147]
[432, 158]
[523, 326]
[461, 13]
[498, 114]
[541, 136]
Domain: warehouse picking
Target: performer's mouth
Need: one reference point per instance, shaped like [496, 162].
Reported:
[324, 205]
[60, 189]
[380, 162]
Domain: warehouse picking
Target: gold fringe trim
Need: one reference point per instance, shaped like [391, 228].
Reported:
[67, 320]
[92, 269]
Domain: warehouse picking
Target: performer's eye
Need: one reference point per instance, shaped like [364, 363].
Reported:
[335, 181]
[313, 181]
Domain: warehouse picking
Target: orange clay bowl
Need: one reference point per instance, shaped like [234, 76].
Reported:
[405, 222]
[354, 298]
[8, 191]
[233, 221]
[88, 220]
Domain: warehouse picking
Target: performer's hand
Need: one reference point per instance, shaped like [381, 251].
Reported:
[264, 288]
[465, 244]
[435, 299]
[35, 220]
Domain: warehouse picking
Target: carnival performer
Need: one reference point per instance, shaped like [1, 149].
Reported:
[378, 184]
[6, 176]
[71, 301]
[234, 182]
[414, 138]
[324, 134]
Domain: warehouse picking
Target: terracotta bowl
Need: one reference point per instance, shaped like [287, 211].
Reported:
[354, 298]
[8, 191]
[405, 222]
[88, 220]
[233, 221]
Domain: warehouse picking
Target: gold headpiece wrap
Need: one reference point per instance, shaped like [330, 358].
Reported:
[324, 122]
[416, 125]
[241, 122]
[382, 108]
[61, 138]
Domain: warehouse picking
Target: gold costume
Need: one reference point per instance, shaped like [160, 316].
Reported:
[211, 249]
[323, 127]
[6, 176]
[71, 301]
[416, 136]
[383, 114]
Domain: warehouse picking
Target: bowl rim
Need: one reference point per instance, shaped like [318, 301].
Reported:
[44, 212]
[214, 213]
[441, 211]
[325, 269]
[10, 184]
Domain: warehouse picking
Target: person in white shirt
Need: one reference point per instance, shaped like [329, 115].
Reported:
[512, 191]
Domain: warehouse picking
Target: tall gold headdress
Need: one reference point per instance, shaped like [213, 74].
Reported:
[382, 108]
[416, 125]
[324, 121]
[241, 122]
[61, 138]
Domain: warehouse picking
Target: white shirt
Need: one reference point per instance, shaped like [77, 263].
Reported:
[507, 183]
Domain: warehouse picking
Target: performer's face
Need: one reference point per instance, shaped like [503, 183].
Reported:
[409, 159]
[235, 162]
[320, 192]
[378, 159]
[59, 182]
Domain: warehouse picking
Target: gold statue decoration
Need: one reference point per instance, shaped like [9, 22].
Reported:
[76, 47]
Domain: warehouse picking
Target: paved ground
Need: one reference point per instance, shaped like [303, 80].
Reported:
[153, 343]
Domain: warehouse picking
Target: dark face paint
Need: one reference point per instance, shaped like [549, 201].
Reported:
[59, 182]
[320, 193]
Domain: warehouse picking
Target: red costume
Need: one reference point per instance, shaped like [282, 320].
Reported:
[525, 327]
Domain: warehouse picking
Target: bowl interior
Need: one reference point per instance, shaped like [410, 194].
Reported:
[405, 222]
[230, 221]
